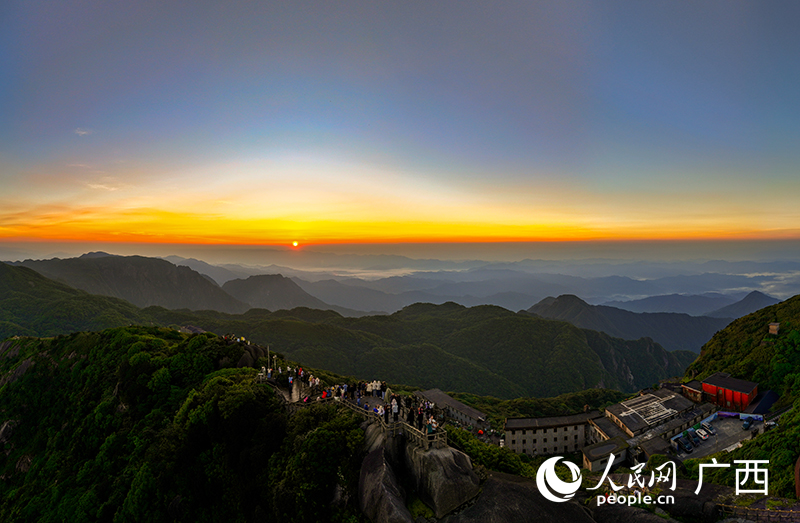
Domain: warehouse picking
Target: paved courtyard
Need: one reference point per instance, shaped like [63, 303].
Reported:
[729, 432]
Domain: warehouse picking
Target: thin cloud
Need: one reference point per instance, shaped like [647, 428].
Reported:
[101, 186]
[107, 183]
[80, 131]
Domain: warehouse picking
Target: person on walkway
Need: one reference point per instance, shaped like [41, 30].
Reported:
[394, 409]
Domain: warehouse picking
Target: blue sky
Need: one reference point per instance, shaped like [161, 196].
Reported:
[265, 122]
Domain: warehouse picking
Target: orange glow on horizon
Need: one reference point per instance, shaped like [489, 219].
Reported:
[153, 225]
[327, 233]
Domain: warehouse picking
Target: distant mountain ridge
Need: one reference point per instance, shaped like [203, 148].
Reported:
[146, 282]
[140, 280]
[672, 330]
[750, 303]
[275, 292]
[33, 305]
[483, 350]
[694, 305]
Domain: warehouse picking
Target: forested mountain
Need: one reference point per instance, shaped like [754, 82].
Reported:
[148, 425]
[274, 292]
[140, 280]
[750, 303]
[32, 305]
[747, 351]
[484, 350]
[673, 331]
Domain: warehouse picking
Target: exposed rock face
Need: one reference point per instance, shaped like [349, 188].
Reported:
[17, 373]
[4, 346]
[250, 356]
[380, 495]
[246, 360]
[6, 429]
[24, 463]
[507, 498]
[444, 477]
[373, 436]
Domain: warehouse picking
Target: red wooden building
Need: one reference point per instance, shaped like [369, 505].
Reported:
[729, 393]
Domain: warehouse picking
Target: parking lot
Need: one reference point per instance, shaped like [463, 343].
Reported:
[729, 432]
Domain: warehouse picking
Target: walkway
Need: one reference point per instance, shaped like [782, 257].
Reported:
[293, 403]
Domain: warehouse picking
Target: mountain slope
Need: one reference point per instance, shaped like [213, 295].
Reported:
[219, 274]
[673, 331]
[694, 305]
[750, 303]
[140, 280]
[145, 424]
[274, 292]
[32, 305]
[747, 351]
[484, 350]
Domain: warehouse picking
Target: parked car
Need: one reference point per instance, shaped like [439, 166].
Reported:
[693, 437]
[770, 425]
[702, 434]
[747, 423]
[708, 428]
[684, 445]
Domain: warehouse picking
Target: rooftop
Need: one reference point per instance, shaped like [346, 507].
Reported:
[609, 428]
[602, 449]
[552, 421]
[724, 380]
[649, 409]
[694, 385]
[654, 445]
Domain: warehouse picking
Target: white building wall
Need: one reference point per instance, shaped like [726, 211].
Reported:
[548, 440]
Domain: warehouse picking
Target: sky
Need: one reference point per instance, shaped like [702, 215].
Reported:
[326, 123]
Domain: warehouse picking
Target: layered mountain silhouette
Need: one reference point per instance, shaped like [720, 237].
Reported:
[146, 282]
[483, 350]
[140, 280]
[33, 305]
[672, 330]
[692, 304]
[750, 303]
[274, 292]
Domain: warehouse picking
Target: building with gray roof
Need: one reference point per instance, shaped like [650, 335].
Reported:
[550, 435]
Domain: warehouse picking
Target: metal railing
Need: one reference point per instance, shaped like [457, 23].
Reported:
[437, 439]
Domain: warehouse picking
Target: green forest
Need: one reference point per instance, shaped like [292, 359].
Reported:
[483, 350]
[746, 350]
[146, 424]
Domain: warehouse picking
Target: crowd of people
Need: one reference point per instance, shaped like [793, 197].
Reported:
[391, 407]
